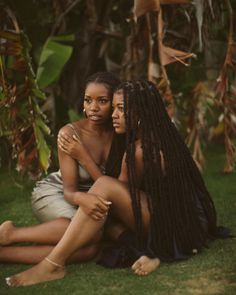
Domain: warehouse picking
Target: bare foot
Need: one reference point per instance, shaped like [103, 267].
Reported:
[42, 272]
[6, 229]
[145, 265]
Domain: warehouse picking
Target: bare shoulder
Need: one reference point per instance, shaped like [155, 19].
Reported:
[69, 128]
[81, 124]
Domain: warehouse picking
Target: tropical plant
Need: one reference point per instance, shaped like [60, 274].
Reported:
[21, 119]
[155, 39]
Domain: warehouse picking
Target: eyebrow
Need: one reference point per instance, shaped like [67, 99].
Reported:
[119, 104]
[101, 96]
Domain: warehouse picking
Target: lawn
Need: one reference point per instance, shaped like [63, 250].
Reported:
[211, 272]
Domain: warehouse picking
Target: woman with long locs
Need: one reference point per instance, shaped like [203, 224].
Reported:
[160, 196]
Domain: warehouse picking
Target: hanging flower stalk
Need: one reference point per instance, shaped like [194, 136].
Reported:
[202, 100]
[21, 120]
[156, 71]
[226, 93]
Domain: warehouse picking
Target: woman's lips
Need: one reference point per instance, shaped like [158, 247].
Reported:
[116, 125]
[94, 117]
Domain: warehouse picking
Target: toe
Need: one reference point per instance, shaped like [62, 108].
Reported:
[11, 281]
[136, 265]
[138, 271]
[8, 281]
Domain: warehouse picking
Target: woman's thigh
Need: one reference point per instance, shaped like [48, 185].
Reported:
[48, 203]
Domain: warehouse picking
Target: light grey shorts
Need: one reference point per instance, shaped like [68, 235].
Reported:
[48, 200]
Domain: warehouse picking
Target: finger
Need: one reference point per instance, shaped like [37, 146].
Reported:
[61, 147]
[102, 208]
[76, 138]
[59, 141]
[97, 216]
[62, 143]
[65, 138]
[60, 133]
[105, 202]
[94, 217]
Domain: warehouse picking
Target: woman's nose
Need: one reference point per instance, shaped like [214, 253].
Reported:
[94, 106]
[114, 114]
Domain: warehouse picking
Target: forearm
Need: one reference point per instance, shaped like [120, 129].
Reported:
[74, 197]
[91, 167]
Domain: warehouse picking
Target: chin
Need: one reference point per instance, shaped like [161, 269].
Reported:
[119, 131]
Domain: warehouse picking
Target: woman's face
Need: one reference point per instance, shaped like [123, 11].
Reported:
[118, 116]
[97, 103]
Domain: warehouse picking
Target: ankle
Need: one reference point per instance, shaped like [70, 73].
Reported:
[54, 264]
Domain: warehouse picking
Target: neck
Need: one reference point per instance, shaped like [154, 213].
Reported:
[99, 128]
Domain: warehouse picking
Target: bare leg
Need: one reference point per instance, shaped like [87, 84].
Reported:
[35, 254]
[74, 239]
[48, 233]
[114, 229]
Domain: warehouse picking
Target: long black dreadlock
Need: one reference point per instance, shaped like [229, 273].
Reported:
[176, 194]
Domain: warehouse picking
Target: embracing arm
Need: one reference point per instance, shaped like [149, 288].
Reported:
[71, 144]
[92, 205]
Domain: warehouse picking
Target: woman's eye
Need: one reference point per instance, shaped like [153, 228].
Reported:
[103, 101]
[121, 109]
[87, 100]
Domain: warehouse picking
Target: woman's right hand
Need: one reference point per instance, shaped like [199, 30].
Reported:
[72, 146]
[95, 206]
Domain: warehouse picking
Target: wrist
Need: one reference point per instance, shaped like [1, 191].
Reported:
[78, 198]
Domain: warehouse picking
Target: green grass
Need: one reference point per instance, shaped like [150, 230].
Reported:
[211, 272]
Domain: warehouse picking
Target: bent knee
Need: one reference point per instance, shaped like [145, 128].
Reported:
[102, 182]
[104, 186]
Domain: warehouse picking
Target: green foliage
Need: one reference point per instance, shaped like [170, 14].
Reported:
[73, 115]
[53, 58]
[21, 119]
[104, 36]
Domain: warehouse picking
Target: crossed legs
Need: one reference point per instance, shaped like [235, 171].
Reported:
[82, 230]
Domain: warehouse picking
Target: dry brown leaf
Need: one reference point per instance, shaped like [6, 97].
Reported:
[169, 55]
[141, 7]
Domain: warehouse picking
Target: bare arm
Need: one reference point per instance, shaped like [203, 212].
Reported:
[92, 205]
[138, 163]
[71, 144]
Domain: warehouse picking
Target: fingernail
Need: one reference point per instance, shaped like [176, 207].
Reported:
[108, 202]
